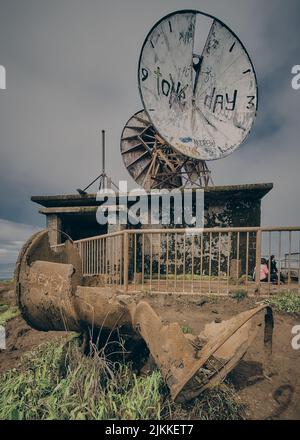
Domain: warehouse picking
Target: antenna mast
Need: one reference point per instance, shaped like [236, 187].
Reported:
[103, 152]
[105, 181]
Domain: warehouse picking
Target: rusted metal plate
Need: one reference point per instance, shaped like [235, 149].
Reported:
[189, 369]
[204, 103]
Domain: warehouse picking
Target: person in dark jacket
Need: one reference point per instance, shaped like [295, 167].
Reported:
[274, 270]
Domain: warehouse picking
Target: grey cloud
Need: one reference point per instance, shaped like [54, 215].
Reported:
[72, 70]
[12, 237]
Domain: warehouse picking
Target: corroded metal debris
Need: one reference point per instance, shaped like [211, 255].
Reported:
[190, 365]
[51, 296]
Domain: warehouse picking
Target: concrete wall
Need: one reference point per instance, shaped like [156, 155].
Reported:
[54, 226]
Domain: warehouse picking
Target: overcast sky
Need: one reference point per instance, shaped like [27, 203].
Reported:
[72, 70]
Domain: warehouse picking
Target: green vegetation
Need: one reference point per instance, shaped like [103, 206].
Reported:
[286, 302]
[7, 313]
[214, 299]
[186, 277]
[57, 381]
[186, 329]
[6, 282]
[239, 295]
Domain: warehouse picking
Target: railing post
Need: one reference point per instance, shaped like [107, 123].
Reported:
[125, 260]
[258, 257]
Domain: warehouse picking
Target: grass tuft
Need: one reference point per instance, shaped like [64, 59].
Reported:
[186, 329]
[7, 313]
[52, 384]
[218, 403]
[287, 302]
[58, 382]
[239, 295]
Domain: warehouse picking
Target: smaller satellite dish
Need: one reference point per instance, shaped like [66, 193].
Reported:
[154, 164]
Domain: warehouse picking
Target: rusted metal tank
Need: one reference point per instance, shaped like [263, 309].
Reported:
[51, 296]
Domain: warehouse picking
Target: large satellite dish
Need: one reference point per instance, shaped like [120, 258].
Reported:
[197, 84]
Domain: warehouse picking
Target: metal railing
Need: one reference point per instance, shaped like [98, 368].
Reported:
[103, 256]
[213, 261]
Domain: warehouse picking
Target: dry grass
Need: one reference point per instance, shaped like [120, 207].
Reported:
[57, 381]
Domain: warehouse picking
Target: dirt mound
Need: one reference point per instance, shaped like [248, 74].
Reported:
[273, 395]
[7, 295]
[20, 338]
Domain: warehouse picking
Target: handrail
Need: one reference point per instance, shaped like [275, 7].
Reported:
[95, 237]
[213, 230]
[193, 231]
[192, 259]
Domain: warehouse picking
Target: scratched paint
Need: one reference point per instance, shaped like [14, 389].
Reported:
[205, 110]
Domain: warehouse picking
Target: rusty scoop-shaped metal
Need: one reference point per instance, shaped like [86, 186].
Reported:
[189, 366]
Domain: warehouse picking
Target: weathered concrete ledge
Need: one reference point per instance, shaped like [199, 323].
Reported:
[249, 191]
[224, 206]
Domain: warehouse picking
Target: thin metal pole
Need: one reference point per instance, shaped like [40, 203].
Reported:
[175, 261]
[113, 246]
[101, 256]
[290, 251]
[143, 260]
[126, 261]
[167, 263]
[219, 262]
[134, 260]
[120, 259]
[269, 262]
[193, 262]
[106, 256]
[151, 257]
[238, 256]
[209, 263]
[247, 257]
[258, 258]
[299, 264]
[201, 260]
[184, 263]
[89, 258]
[279, 258]
[103, 152]
[159, 261]
[228, 259]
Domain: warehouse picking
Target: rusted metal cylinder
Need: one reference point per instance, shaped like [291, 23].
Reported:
[46, 297]
[45, 282]
[100, 307]
[50, 296]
